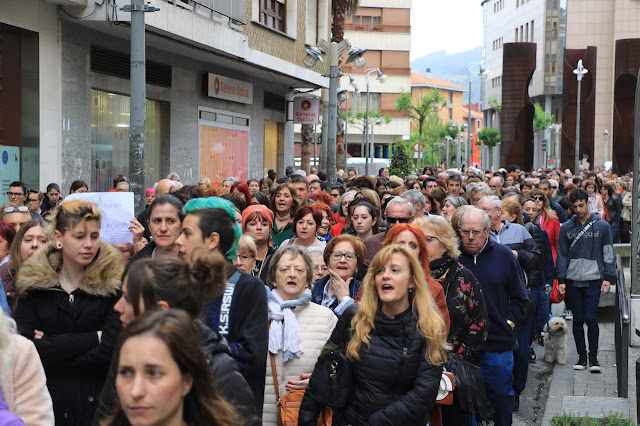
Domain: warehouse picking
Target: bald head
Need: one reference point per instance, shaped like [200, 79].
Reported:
[165, 186]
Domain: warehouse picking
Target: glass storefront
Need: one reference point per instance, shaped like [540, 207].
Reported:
[110, 139]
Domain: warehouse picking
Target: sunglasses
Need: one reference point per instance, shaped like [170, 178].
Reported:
[12, 209]
[538, 197]
[398, 219]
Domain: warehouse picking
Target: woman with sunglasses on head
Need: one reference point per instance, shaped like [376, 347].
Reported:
[15, 214]
[395, 340]
[344, 255]
[547, 219]
[168, 283]
[28, 239]
[67, 292]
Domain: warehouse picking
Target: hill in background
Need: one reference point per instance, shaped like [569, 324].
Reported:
[452, 68]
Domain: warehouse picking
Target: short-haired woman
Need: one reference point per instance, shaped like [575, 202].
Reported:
[395, 340]
[306, 222]
[284, 204]
[67, 292]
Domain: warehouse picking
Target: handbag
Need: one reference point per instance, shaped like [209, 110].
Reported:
[554, 294]
[330, 383]
[289, 404]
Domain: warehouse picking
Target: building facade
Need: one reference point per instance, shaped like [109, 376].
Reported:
[218, 81]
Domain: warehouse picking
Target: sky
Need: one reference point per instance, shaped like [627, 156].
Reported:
[450, 25]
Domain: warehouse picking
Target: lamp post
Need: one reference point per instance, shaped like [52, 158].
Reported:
[468, 154]
[606, 146]
[448, 139]
[334, 50]
[580, 72]
[381, 77]
[557, 127]
[343, 95]
[460, 127]
[439, 145]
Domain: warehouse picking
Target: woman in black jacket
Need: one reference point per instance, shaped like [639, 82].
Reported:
[67, 292]
[613, 210]
[395, 340]
[164, 283]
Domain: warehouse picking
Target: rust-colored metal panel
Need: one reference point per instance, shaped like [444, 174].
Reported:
[626, 71]
[516, 118]
[587, 105]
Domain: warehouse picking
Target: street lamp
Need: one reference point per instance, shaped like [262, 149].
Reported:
[343, 96]
[448, 139]
[460, 127]
[557, 127]
[580, 72]
[373, 139]
[381, 77]
[439, 145]
[606, 143]
[334, 50]
[481, 72]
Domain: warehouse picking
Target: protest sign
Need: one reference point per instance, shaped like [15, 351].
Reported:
[117, 210]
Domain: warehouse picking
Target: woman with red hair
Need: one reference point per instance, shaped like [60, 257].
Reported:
[324, 230]
[241, 190]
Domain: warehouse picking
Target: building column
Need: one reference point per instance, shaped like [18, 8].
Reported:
[285, 149]
[548, 108]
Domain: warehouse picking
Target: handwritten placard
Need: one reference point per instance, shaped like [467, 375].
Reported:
[117, 210]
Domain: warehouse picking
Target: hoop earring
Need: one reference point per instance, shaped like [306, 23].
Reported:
[59, 245]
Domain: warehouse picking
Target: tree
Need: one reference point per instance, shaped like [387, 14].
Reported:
[489, 137]
[426, 109]
[306, 134]
[401, 164]
[541, 122]
[358, 120]
[494, 104]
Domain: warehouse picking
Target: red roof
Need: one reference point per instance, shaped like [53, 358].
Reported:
[419, 79]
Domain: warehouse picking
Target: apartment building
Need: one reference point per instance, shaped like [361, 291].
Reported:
[382, 27]
[524, 21]
[219, 76]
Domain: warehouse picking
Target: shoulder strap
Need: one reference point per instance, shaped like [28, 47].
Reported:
[275, 376]
[225, 306]
[581, 233]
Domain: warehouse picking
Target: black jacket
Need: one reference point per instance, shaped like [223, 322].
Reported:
[393, 384]
[541, 237]
[516, 238]
[614, 207]
[231, 384]
[74, 361]
[145, 253]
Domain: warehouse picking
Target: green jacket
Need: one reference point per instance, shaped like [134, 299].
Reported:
[280, 235]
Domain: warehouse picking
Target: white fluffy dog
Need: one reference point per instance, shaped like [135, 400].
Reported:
[555, 341]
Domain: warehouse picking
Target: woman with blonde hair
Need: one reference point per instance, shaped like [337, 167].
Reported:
[395, 340]
[23, 385]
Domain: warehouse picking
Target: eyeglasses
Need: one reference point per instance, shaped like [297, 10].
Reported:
[321, 268]
[429, 238]
[14, 194]
[472, 232]
[391, 219]
[12, 209]
[538, 197]
[349, 255]
[554, 187]
[244, 256]
[32, 200]
[411, 245]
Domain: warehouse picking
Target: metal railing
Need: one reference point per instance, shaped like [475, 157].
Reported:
[234, 9]
[622, 336]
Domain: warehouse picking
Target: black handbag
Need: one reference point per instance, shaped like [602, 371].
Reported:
[330, 383]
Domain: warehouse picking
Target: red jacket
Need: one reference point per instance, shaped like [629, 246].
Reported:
[553, 229]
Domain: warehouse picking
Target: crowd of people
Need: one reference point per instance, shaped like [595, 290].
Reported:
[230, 296]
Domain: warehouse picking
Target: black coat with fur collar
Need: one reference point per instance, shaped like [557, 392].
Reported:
[74, 361]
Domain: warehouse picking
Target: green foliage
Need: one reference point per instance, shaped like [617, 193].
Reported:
[541, 120]
[489, 136]
[358, 120]
[611, 419]
[401, 163]
[493, 103]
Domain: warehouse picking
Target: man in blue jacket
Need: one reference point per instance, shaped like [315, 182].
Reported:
[585, 267]
[500, 276]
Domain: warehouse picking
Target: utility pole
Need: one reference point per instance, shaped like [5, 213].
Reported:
[137, 125]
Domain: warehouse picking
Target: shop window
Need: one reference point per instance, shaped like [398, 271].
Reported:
[272, 13]
[110, 139]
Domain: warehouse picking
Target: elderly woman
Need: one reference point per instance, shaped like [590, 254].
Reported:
[465, 302]
[451, 203]
[298, 331]
[395, 341]
[284, 204]
[344, 255]
[204, 183]
[257, 222]
[320, 268]
[306, 222]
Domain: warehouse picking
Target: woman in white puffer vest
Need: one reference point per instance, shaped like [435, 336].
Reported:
[298, 329]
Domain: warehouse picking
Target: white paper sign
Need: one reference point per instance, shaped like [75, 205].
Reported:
[117, 210]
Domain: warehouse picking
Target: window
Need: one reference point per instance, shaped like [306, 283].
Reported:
[367, 23]
[532, 31]
[516, 39]
[450, 99]
[497, 44]
[496, 82]
[272, 14]
[498, 6]
[359, 103]
[526, 32]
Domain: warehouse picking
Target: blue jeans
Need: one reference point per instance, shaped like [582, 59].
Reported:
[583, 302]
[497, 371]
[521, 355]
[542, 310]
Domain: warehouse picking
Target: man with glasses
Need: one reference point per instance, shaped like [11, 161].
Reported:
[585, 268]
[477, 191]
[545, 187]
[500, 277]
[398, 210]
[17, 193]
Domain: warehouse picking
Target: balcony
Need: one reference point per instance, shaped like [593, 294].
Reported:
[378, 28]
[233, 9]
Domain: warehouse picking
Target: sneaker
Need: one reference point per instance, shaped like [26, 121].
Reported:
[568, 315]
[594, 366]
[540, 339]
[532, 355]
[581, 364]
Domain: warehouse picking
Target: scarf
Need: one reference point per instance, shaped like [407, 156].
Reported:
[440, 266]
[284, 332]
[282, 222]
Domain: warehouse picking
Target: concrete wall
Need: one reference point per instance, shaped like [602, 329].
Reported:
[181, 146]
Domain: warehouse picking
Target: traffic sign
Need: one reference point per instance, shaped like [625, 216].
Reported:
[418, 147]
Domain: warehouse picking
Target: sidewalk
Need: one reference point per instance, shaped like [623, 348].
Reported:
[583, 392]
